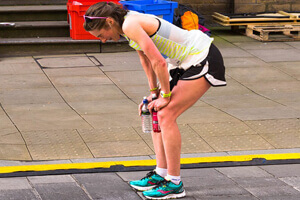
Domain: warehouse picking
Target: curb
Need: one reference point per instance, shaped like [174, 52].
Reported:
[141, 165]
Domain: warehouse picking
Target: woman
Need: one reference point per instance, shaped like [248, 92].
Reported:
[185, 63]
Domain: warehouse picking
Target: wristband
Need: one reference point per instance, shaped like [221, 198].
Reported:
[164, 95]
[151, 90]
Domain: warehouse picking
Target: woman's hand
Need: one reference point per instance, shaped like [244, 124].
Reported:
[159, 103]
[149, 98]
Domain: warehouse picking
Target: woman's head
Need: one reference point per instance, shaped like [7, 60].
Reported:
[104, 9]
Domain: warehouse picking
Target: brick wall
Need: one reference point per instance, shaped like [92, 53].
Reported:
[207, 7]
[250, 6]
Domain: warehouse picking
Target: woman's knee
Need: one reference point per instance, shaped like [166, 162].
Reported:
[166, 116]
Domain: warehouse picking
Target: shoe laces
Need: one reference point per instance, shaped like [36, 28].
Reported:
[161, 183]
[149, 174]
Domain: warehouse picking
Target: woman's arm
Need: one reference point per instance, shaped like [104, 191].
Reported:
[136, 29]
[149, 71]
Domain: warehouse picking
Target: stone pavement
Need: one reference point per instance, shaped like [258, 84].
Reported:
[275, 182]
[85, 105]
[83, 108]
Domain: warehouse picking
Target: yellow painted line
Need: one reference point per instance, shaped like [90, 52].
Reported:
[137, 163]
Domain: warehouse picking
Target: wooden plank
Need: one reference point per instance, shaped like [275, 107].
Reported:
[219, 15]
[262, 33]
[287, 14]
[254, 23]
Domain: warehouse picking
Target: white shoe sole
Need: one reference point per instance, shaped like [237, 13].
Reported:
[142, 188]
[170, 196]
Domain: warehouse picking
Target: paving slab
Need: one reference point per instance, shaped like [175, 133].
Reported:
[78, 71]
[30, 96]
[231, 190]
[261, 74]
[108, 120]
[238, 142]
[105, 106]
[263, 45]
[65, 61]
[290, 68]
[276, 170]
[23, 81]
[222, 43]
[250, 182]
[233, 37]
[14, 152]
[275, 87]
[233, 87]
[11, 138]
[19, 194]
[277, 55]
[240, 101]
[17, 183]
[234, 53]
[56, 151]
[292, 181]
[121, 61]
[73, 81]
[61, 191]
[93, 183]
[6, 125]
[295, 44]
[273, 191]
[263, 113]
[51, 137]
[20, 68]
[244, 172]
[91, 93]
[227, 197]
[51, 179]
[15, 60]
[109, 134]
[244, 62]
[121, 78]
[222, 129]
[275, 126]
[204, 114]
[119, 148]
[30, 117]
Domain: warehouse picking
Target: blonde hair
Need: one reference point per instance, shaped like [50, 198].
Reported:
[104, 9]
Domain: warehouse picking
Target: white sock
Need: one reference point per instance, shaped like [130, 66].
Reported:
[173, 179]
[161, 171]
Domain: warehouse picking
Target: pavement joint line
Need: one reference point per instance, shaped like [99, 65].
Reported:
[146, 163]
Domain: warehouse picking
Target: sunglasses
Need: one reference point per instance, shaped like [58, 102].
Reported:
[89, 19]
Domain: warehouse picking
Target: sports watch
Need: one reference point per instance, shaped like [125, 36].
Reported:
[164, 95]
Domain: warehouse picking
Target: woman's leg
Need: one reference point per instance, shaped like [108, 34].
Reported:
[184, 95]
[159, 150]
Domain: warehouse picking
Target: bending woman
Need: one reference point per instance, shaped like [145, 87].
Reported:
[185, 63]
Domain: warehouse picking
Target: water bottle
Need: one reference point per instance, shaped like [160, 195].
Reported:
[146, 117]
[155, 124]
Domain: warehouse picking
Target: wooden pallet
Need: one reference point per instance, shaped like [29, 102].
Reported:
[280, 18]
[263, 33]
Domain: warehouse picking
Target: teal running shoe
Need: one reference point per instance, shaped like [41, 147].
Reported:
[148, 182]
[165, 190]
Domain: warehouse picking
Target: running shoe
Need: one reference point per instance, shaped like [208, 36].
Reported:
[148, 182]
[166, 190]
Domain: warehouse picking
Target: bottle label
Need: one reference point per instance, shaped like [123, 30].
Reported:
[155, 124]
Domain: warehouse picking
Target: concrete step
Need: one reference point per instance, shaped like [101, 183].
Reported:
[35, 29]
[57, 45]
[33, 13]
[32, 2]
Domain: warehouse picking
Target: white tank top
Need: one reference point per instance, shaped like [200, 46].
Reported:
[181, 48]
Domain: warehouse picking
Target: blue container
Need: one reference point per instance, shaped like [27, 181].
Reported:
[160, 8]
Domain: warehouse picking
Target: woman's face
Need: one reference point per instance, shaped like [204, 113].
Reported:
[111, 33]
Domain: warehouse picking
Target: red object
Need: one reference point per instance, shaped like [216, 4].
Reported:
[155, 124]
[76, 10]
